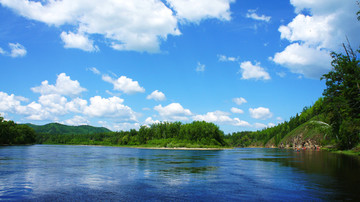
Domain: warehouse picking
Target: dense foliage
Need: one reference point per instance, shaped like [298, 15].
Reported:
[15, 134]
[195, 134]
[57, 128]
[262, 137]
[342, 98]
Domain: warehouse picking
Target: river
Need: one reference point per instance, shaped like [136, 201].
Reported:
[92, 173]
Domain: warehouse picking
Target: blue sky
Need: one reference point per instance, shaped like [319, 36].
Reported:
[244, 64]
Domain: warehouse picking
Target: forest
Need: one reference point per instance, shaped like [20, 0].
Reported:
[57, 128]
[197, 134]
[15, 134]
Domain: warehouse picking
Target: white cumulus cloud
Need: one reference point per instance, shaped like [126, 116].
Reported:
[221, 117]
[260, 113]
[253, 71]
[156, 95]
[109, 107]
[305, 60]
[77, 121]
[236, 110]
[10, 103]
[238, 122]
[216, 116]
[136, 25]
[124, 84]
[123, 126]
[149, 121]
[76, 105]
[197, 10]
[130, 25]
[173, 112]
[261, 125]
[314, 35]
[79, 41]
[64, 86]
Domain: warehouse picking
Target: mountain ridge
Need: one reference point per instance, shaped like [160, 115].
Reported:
[58, 128]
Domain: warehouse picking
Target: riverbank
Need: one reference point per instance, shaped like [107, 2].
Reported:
[183, 148]
[354, 152]
[153, 147]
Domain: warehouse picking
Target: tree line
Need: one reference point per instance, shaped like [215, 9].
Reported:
[15, 134]
[278, 132]
[164, 134]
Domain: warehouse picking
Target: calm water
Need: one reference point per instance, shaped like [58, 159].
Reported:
[89, 173]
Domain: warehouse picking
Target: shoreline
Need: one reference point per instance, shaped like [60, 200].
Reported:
[182, 148]
[157, 148]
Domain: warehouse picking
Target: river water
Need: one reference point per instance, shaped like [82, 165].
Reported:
[91, 173]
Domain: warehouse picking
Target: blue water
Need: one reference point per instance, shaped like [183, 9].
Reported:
[90, 173]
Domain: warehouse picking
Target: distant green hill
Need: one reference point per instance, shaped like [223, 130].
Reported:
[57, 128]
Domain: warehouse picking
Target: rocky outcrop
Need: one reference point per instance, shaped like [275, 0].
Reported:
[299, 142]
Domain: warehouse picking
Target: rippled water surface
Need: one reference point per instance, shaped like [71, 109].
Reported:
[90, 173]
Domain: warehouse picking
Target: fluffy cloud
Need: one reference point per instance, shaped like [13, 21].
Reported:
[10, 103]
[217, 116]
[16, 50]
[221, 118]
[261, 125]
[239, 100]
[109, 107]
[305, 60]
[150, 121]
[314, 36]
[250, 71]
[53, 103]
[36, 112]
[236, 110]
[156, 95]
[79, 41]
[124, 126]
[200, 67]
[124, 84]
[260, 113]
[238, 122]
[50, 106]
[252, 14]
[196, 10]
[173, 112]
[76, 105]
[77, 121]
[64, 86]
[138, 25]
[130, 25]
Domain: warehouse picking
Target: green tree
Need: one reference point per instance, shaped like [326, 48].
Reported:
[342, 97]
